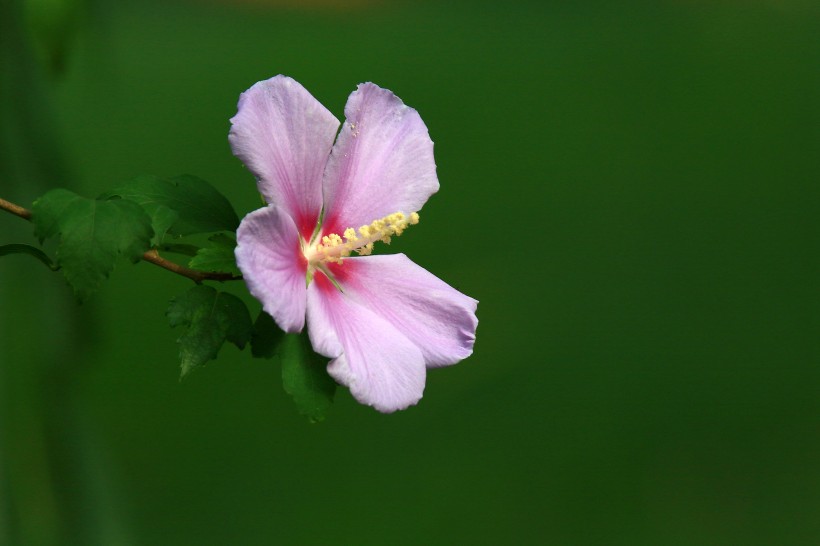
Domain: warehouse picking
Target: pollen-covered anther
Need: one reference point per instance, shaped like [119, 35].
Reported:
[333, 248]
[329, 250]
[331, 240]
[350, 235]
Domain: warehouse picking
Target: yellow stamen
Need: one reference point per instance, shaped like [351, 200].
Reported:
[334, 248]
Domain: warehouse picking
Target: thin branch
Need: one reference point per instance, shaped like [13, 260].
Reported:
[17, 210]
[151, 256]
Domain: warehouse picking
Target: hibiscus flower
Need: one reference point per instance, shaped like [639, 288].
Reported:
[382, 320]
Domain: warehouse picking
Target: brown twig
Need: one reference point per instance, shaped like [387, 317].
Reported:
[17, 210]
[151, 256]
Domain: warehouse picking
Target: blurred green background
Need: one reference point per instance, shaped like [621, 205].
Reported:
[629, 188]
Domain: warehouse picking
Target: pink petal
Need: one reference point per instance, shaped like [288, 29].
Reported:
[382, 161]
[270, 257]
[436, 317]
[381, 366]
[283, 135]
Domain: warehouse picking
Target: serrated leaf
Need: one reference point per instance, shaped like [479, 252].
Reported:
[212, 317]
[162, 218]
[92, 234]
[266, 336]
[199, 207]
[31, 251]
[305, 377]
[48, 211]
[218, 256]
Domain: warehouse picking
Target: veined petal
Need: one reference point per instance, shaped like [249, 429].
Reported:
[436, 317]
[269, 255]
[284, 135]
[382, 161]
[370, 356]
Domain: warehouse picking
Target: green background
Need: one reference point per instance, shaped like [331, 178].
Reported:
[630, 189]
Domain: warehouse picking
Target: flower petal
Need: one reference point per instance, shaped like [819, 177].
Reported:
[382, 161]
[381, 366]
[283, 135]
[270, 257]
[439, 319]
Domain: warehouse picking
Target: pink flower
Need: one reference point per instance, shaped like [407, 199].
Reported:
[381, 319]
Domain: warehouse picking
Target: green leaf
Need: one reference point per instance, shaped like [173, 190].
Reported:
[162, 218]
[266, 336]
[212, 317]
[92, 234]
[179, 248]
[31, 251]
[183, 205]
[217, 256]
[305, 377]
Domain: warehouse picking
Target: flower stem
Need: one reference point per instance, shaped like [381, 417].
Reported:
[150, 256]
